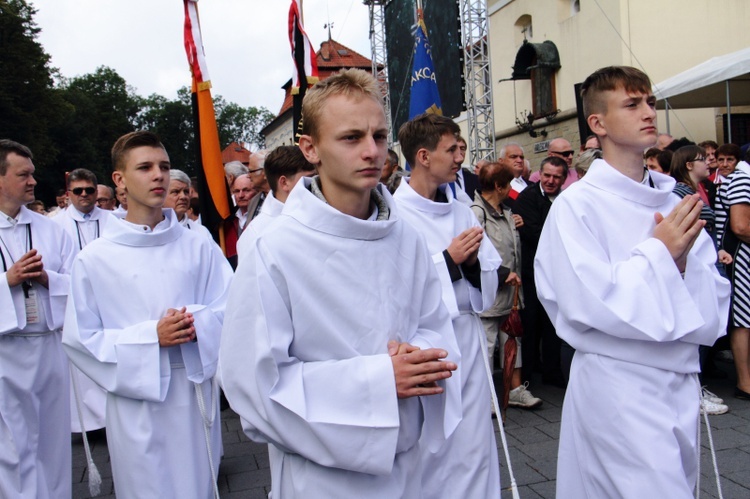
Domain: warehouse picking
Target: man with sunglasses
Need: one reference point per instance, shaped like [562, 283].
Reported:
[560, 148]
[84, 222]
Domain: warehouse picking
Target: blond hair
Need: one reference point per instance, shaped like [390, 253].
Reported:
[347, 82]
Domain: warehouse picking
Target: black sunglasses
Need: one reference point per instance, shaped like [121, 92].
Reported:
[563, 153]
[80, 190]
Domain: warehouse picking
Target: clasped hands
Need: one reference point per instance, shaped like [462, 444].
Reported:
[680, 229]
[418, 371]
[176, 328]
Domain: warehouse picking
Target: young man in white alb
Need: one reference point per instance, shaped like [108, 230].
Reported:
[143, 321]
[628, 277]
[467, 263]
[335, 332]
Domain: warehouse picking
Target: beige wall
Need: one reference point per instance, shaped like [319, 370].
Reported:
[666, 37]
[280, 136]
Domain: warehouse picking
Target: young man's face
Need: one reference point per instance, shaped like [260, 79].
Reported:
[629, 121]
[351, 146]
[145, 177]
[82, 195]
[726, 164]
[551, 179]
[178, 198]
[443, 161]
[17, 185]
[514, 158]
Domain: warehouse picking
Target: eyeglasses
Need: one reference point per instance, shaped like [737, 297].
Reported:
[702, 160]
[80, 190]
[567, 154]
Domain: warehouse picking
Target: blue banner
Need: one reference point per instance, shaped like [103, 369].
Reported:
[425, 97]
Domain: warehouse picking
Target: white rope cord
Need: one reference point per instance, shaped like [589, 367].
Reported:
[483, 346]
[208, 422]
[711, 447]
[95, 478]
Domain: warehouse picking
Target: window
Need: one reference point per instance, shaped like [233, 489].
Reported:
[740, 128]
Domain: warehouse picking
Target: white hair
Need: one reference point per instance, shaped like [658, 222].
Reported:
[180, 176]
[235, 169]
[502, 151]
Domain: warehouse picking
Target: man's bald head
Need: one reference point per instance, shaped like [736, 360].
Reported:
[561, 148]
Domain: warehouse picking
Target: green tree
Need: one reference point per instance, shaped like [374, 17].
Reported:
[172, 121]
[29, 105]
[100, 107]
[241, 124]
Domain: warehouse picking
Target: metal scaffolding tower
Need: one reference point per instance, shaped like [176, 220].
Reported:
[477, 72]
[379, 56]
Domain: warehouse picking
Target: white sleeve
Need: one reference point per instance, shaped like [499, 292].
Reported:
[128, 362]
[642, 297]
[341, 413]
[202, 357]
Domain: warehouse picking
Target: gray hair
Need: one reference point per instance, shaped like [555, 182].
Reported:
[258, 159]
[584, 160]
[502, 150]
[180, 176]
[235, 169]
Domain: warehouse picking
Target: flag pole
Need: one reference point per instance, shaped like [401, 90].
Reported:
[305, 65]
[214, 194]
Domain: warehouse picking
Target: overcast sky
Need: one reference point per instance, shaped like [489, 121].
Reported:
[246, 41]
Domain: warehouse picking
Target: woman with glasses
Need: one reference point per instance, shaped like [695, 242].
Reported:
[689, 168]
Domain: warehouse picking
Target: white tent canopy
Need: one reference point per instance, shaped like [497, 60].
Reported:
[717, 82]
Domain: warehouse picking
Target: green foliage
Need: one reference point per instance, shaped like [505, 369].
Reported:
[73, 123]
[241, 124]
[28, 103]
[100, 108]
[172, 121]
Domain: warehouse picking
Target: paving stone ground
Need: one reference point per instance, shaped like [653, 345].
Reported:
[532, 438]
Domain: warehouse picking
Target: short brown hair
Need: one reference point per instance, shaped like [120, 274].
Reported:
[131, 141]
[729, 150]
[495, 174]
[285, 161]
[651, 152]
[424, 131]
[9, 146]
[347, 82]
[610, 78]
[709, 143]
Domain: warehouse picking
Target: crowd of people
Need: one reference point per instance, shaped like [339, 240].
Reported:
[358, 310]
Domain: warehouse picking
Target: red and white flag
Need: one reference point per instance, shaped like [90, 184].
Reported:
[303, 53]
